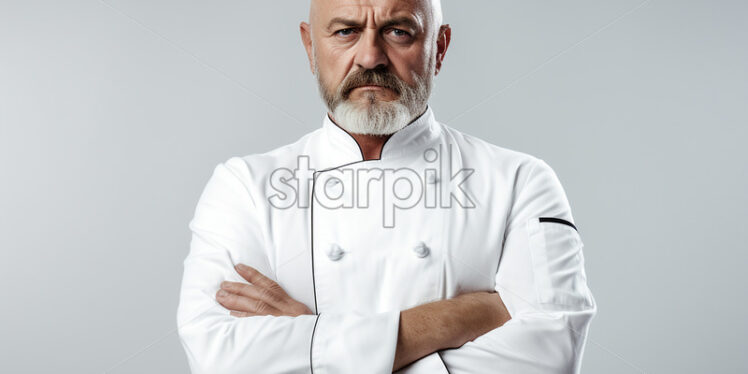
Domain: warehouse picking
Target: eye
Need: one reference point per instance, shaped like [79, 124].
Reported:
[345, 32]
[400, 35]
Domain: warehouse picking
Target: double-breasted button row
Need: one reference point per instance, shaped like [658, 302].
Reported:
[335, 252]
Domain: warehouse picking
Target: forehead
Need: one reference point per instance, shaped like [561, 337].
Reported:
[323, 10]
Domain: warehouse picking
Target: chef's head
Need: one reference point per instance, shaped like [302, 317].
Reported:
[375, 60]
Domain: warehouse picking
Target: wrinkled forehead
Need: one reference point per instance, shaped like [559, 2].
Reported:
[426, 12]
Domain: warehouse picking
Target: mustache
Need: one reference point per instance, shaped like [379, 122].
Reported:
[371, 77]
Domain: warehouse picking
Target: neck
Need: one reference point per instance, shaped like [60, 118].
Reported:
[371, 145]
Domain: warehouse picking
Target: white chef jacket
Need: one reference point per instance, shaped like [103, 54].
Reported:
[509, 229]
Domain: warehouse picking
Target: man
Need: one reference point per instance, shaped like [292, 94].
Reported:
[383, 241]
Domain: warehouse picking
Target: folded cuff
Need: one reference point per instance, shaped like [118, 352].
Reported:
[354, 343]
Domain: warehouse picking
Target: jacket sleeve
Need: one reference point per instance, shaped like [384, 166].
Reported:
[225, 231]
[542, 281]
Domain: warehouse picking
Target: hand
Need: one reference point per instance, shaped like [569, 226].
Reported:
[261, 297]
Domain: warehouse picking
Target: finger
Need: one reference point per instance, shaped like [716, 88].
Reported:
[232, 301]
[239, 314]
[245, 304]
[269, 296]
[276, 297]
[253, 276]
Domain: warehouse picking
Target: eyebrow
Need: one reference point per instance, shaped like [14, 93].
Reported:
[406, 21]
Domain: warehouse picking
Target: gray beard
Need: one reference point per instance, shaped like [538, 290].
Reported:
[379, 117]
[373, 118]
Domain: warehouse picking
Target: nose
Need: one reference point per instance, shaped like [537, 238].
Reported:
[370, 53]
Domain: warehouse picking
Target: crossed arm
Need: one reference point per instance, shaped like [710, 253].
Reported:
[423, 329]
[540, 277]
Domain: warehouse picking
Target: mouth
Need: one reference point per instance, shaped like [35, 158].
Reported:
[371, 87]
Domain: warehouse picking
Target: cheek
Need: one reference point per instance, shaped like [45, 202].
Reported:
[406, 66]
[414, 59]
[334, 65]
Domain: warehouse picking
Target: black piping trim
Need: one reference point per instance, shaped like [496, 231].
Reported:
[443, 363]
[311, 232]
[360, 150]
[557, 220]
[311, 345]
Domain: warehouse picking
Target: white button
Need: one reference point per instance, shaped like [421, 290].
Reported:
[421, 250]
[334, 189]
[335, 253]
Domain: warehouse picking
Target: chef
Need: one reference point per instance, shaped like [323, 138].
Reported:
[384, 241]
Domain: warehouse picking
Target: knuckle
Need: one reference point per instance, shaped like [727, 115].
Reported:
[228, 300]
[243, 288]
[267, 294]
[274, 286]
[261, 307]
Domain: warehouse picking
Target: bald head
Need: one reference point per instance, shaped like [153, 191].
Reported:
[433, 8]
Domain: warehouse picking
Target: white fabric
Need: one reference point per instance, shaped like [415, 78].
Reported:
[357, 267]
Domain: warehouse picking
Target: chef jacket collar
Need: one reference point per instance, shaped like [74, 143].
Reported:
[409, 142]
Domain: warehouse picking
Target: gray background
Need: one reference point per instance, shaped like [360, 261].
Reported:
[114, 114]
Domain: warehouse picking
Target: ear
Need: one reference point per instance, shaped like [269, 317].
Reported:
[442, 44]
[306, 39]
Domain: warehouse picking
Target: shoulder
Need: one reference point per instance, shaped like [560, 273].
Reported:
[531, 183]
[523, 174]
[479, 151]
[258, 166]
